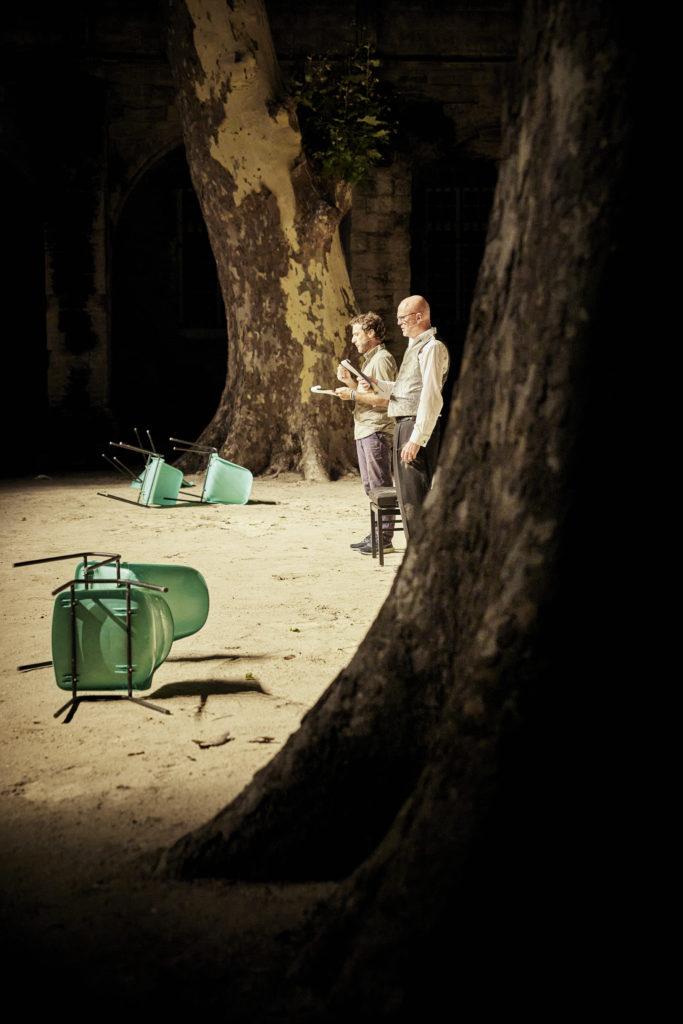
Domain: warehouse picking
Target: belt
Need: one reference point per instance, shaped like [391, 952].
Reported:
[399, 418]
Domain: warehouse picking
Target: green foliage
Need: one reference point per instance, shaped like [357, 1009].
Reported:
[344, 114]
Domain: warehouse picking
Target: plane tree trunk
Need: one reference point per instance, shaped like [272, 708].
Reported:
[446, 774]
[274, 234]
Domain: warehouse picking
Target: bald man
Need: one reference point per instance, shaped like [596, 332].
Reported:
[415, 401]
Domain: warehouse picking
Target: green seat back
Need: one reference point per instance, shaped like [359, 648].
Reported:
[160, 483]
[101, 638]
[226, 483]
[187, 596]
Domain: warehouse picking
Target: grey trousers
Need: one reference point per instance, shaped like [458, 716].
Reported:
[374, 462]
[413, 479]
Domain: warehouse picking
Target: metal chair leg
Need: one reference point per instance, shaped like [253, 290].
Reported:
[148, 704]
[70, 703]
[115, 497]
[380, 536]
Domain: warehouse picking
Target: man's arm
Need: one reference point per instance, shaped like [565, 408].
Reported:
[366, 396]
[381, 388]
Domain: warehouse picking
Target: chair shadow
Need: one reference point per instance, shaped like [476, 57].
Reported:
[219, 657]
[205, 688]
[88, 698]
[190, 503]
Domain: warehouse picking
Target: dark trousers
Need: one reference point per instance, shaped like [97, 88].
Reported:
[374, 462]
[413, 479]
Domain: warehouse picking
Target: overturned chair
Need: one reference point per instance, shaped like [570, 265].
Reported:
[136, 478]
[159, 484]
[225, 483]
[113, 625]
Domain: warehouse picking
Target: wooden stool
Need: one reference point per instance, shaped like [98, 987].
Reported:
[383, 508]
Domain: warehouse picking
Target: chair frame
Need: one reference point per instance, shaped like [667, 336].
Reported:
[197, 449]
[378, 515]
[75, 698]
[86, 584]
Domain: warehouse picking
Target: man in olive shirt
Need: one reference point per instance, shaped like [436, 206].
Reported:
[373, 428]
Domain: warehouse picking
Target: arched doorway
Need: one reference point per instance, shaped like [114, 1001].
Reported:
[24, 350]
[169, 344]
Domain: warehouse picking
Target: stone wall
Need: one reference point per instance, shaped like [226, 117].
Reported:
[379, 243]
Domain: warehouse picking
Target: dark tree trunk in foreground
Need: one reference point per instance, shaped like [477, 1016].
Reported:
[275, 238]
[442, 772]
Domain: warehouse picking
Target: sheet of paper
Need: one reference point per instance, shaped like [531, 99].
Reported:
[318, 390]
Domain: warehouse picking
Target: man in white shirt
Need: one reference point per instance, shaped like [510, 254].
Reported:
[415, 401]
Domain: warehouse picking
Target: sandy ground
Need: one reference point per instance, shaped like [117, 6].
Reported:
[83, 801]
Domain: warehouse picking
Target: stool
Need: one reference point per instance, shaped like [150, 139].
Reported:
[383, 507]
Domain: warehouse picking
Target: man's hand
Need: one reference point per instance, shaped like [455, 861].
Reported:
[364, 387]
[409, 451]
[345, 376]
[346, 394]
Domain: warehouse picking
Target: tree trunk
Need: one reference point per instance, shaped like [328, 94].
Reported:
[275, 239]
[448, 763]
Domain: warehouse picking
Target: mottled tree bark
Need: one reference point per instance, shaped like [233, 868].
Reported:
[275, 238]
[446, 762]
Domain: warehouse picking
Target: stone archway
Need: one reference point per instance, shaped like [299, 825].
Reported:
[168, 351]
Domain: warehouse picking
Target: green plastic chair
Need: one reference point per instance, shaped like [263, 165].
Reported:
[225, 483]
[159, 483]
[187, 593]
[106, 617]
[109, 636]
[136, 479]
[113, 624]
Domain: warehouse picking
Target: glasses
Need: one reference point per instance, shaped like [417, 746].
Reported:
[406, 316]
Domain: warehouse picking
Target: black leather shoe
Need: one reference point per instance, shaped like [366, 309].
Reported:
[361, 543]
